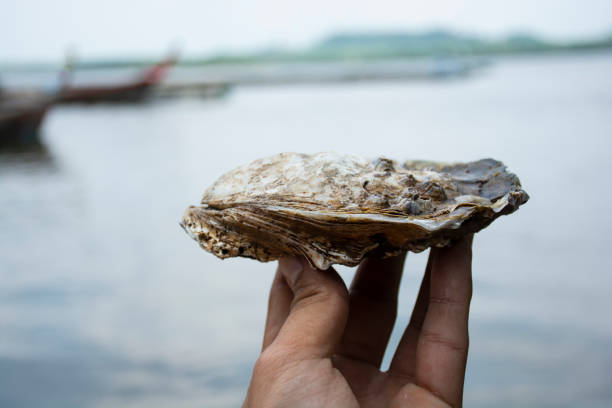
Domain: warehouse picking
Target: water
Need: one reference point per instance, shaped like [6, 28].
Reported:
[269, 72]
[104, 301]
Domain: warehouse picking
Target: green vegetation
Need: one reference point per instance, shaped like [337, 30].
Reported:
[383, 45]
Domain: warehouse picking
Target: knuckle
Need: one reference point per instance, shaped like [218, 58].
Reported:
[445, 341]
[268, 361]
[339, 293]
[307, 293]
[361, 351]
[445, 300]
[313, 292]
[273, 364]
[268, 358]
[415, 325]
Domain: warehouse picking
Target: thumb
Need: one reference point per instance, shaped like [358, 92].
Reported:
[319, 309]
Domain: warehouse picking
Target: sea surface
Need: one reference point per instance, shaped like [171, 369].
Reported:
[106, 302]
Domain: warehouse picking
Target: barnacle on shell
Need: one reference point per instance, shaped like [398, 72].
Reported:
[338, 209]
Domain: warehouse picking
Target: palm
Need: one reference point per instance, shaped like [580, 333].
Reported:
[323, 346]
[371, 387]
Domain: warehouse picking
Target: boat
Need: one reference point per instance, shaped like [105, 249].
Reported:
[205, 89]
[131, 92]
[21, 114]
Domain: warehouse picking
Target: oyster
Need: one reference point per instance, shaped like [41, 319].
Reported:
[337, 209]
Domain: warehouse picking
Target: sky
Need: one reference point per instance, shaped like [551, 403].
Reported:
[43, 30]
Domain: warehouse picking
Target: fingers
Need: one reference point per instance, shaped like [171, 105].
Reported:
[279, 303]
[404, 360]
[318, 311]
[372, 310]
[443, 343]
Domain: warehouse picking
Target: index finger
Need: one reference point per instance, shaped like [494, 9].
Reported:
[279, 303]
[318, 310]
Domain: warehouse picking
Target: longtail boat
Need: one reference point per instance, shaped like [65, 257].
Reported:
[131, 92]
[21, 115]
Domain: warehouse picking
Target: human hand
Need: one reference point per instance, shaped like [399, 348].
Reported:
[323, 345]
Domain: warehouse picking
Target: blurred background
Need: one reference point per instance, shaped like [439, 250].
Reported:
[115, 116]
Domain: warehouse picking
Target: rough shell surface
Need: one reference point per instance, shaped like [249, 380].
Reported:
[337, 209]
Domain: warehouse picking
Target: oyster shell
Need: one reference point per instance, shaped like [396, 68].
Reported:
[337, 209]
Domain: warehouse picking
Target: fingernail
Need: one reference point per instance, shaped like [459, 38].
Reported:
[291, 268]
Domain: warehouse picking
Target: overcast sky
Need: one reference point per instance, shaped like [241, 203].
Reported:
[42, 30]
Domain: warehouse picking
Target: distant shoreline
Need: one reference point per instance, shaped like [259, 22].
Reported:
[353, 47]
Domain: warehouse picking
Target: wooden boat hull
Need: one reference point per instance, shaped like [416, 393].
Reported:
[130, 93]
[22, 126]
